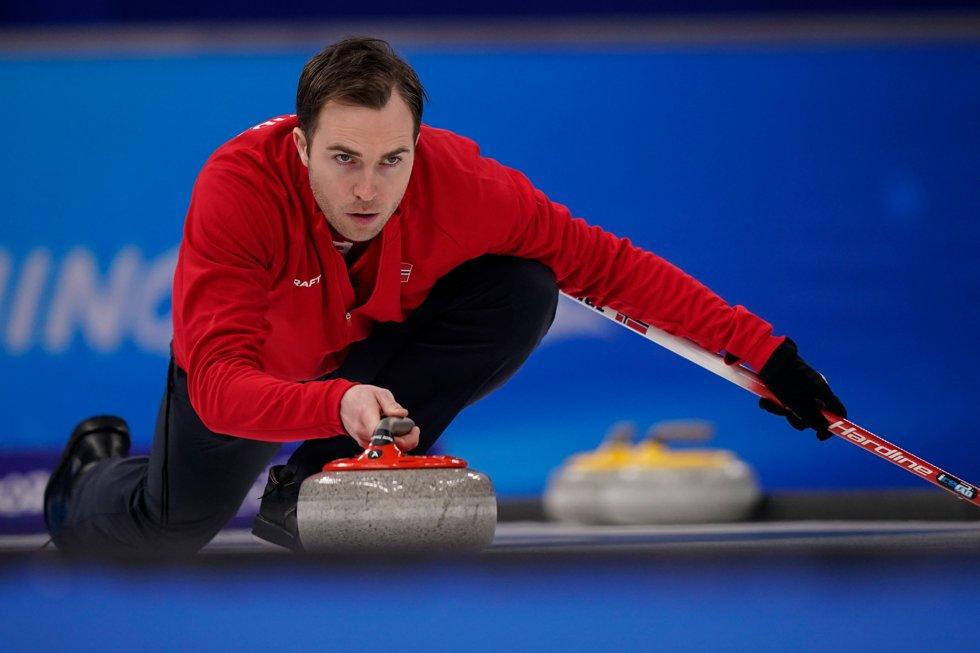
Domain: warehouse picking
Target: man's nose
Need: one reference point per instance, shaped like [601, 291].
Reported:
[366, 188]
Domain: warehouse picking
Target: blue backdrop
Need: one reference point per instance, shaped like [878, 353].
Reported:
[832, 190]
[20, 12]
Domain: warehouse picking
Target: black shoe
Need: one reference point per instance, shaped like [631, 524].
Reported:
[93, 440]
[276, 521]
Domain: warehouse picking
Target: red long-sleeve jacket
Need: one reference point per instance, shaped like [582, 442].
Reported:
[262, 300]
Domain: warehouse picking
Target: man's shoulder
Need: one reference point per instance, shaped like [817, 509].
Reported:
[458, 189]
[259, 156]
[250, 183]
[446, 140]
[446, 150]
[451, 159]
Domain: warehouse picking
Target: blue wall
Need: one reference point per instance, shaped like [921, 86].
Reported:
[28, 12]
[832, 190]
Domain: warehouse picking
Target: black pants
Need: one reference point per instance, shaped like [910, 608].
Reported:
[476, 328]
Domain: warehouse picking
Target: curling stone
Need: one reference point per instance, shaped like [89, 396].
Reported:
[665, 486]
[385, 500]
[573, 489]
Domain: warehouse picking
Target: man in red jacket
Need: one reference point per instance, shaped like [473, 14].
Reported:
[349, 263]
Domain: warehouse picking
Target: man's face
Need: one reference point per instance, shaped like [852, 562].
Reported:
[359, 163]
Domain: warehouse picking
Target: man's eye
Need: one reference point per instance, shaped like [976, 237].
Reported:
[343, 158]
[392, 160]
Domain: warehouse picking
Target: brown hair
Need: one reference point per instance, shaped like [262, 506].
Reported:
[358, 71]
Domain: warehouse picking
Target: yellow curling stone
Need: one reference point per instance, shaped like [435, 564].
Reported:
[665, 486]
[573, 490]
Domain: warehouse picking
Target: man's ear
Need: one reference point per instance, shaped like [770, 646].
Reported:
[299, 140]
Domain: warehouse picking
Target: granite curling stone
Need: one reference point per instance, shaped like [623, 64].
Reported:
[687, 486]
[385, 500]
[574, 490]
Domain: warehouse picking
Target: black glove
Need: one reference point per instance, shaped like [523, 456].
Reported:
[801, 389]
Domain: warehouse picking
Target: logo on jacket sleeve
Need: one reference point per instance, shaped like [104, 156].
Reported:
[406, 272]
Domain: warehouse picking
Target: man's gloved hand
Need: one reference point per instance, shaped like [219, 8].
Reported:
[801, 389]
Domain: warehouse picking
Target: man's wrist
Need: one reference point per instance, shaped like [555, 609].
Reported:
[784, 354]
[760, 355]
[336, 389]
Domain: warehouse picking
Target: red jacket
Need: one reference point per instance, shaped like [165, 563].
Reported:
[262, 300]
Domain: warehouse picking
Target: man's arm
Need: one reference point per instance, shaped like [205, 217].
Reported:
[221, 287]
[590, 262]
